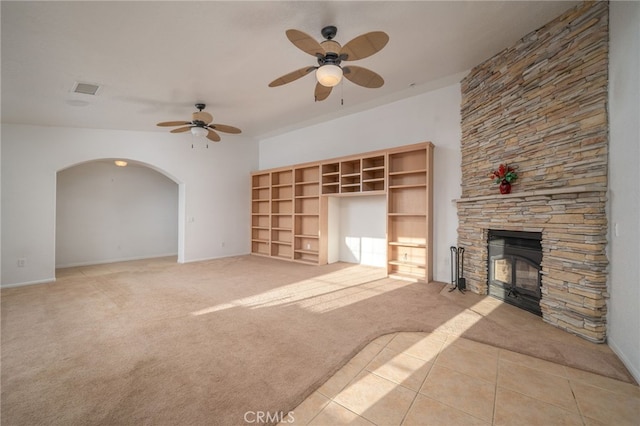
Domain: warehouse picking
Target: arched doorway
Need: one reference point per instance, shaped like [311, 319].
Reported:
[107, 213]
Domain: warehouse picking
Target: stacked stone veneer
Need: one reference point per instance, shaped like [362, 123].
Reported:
[541, 105]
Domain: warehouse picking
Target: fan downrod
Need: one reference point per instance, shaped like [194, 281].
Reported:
[329, 32]
[200, 106]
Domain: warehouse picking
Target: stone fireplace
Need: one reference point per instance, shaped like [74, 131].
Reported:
[541, 106]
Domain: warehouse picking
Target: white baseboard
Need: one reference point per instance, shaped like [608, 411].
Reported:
[45, 281]
[633, 369]
[106, 261]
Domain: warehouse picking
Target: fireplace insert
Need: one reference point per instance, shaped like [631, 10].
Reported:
[514, 268]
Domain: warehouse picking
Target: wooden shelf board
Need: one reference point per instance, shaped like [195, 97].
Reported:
[281, 229]
[411, 264]
[312, 252]
[407, 214]
[407, 172]
[280, 256]
[306, 236]
[369, 169]
[315, 182]
[310, 262]
[282, 243]
[413, 185]
[401, 244]
[350, 174]
[253, 240]
[373, 180]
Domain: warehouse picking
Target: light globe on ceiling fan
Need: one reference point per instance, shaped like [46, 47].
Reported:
[329, 75]
[199, 131]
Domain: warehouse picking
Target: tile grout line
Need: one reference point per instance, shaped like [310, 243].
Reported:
[415, 397]
[332, 399]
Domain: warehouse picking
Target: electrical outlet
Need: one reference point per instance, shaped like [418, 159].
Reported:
[22, 262]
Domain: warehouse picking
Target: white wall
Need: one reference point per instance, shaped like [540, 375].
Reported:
[213, 190]
[433, 116]
[624, 183]
[362, 227]
[106, 213]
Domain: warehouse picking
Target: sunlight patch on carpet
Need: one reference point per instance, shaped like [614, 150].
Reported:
[319, 294]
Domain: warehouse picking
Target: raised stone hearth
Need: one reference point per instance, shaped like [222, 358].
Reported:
[541, 106]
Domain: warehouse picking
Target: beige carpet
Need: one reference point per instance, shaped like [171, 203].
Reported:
[156, 342]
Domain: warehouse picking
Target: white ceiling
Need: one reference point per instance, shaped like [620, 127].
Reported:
[155, 60]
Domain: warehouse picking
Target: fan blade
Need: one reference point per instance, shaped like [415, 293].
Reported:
[364, 46]
[213, 136]
[362, 77]
[181, 129]
[172, 123]
[305, 42]
[224, 128]
[205, 117]
[322, 92]
[292, 76]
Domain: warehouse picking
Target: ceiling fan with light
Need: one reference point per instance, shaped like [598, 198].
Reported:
[200, 125]
[330, 55]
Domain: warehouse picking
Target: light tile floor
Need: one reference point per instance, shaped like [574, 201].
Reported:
[440, 379]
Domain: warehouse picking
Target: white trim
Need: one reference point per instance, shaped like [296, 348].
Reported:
[123, 259]
[22, 284]
[627, 363]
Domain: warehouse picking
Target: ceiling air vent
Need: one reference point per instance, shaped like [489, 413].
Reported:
[86, 88]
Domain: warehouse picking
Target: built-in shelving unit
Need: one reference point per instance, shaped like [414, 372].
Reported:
[409, 199]
[290, 206]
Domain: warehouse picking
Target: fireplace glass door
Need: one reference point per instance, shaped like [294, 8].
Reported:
[514, 269]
